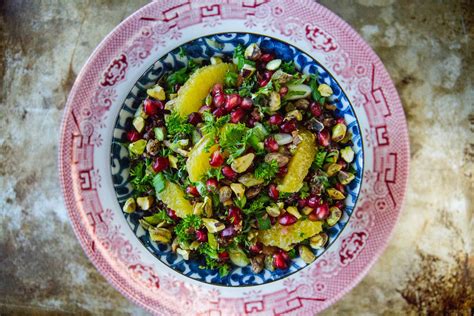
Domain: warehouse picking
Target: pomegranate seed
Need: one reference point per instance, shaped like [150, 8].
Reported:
[160, 164]
[273, 220]
[339, 205]
[313, 201]
[282, 171]
[246, 104]
[288, 126]
[276, 119]
[235, 215]
[273, 192]
[204, 108]
[287, 219]
[219, 112]
[217, 89]
[268, 74]
[232, 100]
[171, 213]
[302, 203]
[219, 100]
[228, 172]
[201, 236]
[223, 256]
[211, 184]
[237, 116]
[216, 159]
[340, 121]
[322, 211]
[271, 145]
[228, 232]
[338, 186]
[151, 107]
[266, 58]
[315, 109]
[195, 118]
[284, 254]
[323, 138]
[133, 136]
[263, 82]
[256, 248]
[342, 163]
[192, 190]
[283, 91]
[279, 261]
[251, 122]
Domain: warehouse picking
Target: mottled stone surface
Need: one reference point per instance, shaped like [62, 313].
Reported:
[428, 50]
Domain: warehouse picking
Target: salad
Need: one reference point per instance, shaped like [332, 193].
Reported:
[239, 160]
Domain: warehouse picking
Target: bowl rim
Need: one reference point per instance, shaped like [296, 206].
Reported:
[66, 179]
[357, 126]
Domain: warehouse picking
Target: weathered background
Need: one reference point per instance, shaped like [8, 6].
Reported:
[427, 48]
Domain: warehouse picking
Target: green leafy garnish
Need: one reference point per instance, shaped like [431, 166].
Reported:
[214, 173]
[185, 229]
[239, 57]
[141, 180]
[304, 191]
[230, 79]
[257, 205]
[175, 124]
[232, 139]
[289, 67]
[159, 182]
[264, 223]
[314, 88]
[319, 159]
[247, 87]
[267, 171]
[212, 126]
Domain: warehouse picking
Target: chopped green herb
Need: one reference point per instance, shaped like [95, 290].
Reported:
[267, 171]
[264, 223]
[319, 159]
[230, 79]
[289, 67]
[187, 225]
[175, 124]
[257, 205]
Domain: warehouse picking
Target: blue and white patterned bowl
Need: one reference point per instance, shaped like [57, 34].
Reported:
[202, 49]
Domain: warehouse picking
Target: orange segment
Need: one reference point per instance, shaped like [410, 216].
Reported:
[198, 159]
[299, 164]
[175, 199]
[285, 236]
[194, 91]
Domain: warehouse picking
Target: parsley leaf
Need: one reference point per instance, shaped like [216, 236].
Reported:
[187, 225]
[214, 173]
[289, 67]
[264, 223]
[175, 124]
[141, 180]
[319, 159]
[267, 171]
[304, 191]
[233, 139]
[212, 126]
[257, 205]
[239, 57]
[230, 79]
[247, 87]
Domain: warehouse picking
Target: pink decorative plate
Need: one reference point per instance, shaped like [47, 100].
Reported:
[110, 76]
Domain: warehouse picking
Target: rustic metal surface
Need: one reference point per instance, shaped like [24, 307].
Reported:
[427, 48]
